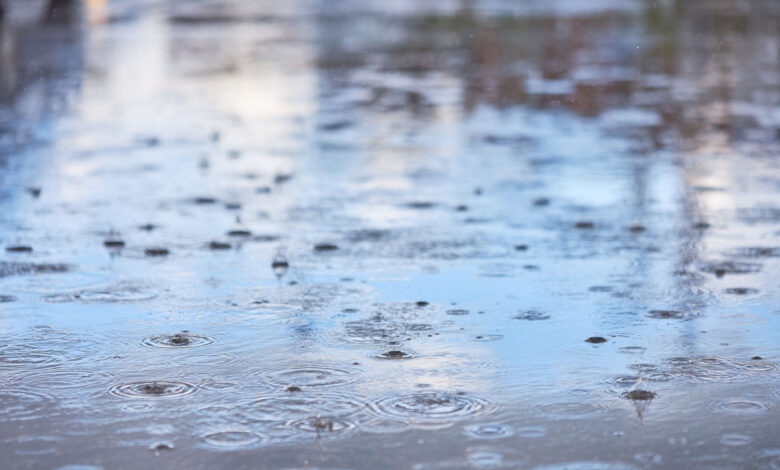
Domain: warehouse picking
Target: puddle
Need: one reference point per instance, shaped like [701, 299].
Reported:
[492, 234]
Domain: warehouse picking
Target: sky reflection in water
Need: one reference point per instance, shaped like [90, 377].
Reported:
[454, 197]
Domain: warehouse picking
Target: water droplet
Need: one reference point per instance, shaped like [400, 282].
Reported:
[152, 389]
[596, 340]
[177, 340]
[395, 354]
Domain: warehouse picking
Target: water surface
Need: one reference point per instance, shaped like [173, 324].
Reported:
[424, 235]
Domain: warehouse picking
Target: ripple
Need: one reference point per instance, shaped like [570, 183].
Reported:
[457, 311]
[22, 405]
[395, 355]
[489, 431]
[601, 288]
[120, 293]
[740, 406]
[741, 291]
[621, 382]
[735, 440]
[488, 337]
[206, 359]
[632, 350]
[152, 389]
[588, 466]
[531, 432]
[757, 252]
[322, 425]
[300, 405]
[7, 298]
[177, 340]
[311, 376]
[16, 356]
[8, 268]
[570, 409]
[137, 407]
[211, 384]
[531, 315]
[730, 267]
[230, 439]
[486, 459]
[719, 369]
[769, 459]
[665, 314]
[432, 406]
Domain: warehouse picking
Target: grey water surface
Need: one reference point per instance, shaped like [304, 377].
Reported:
[532, 234]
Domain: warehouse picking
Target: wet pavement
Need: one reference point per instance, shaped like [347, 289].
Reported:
[409, 234]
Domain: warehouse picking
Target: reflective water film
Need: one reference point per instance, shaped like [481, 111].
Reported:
[342, 234]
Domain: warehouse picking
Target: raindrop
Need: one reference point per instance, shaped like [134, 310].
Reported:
[152, 389]
[741, 290]
[432, 406]
[19, 249]
[177, 340]
[156, 252]
[665, 314]
[395, 354]
[596, 340]
[640, 395]
[322, 247]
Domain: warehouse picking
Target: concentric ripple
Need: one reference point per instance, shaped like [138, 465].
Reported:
[230, 439]
[531, 315]
[395, 355]
[311, 376]
[20, 405]
[588, 466]
[489, 431]
[432, 406]
[569, 409]
[719, 369]
[177, 340]
[119, 293]
[299, 405]
[740, 406]
[152, 389]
